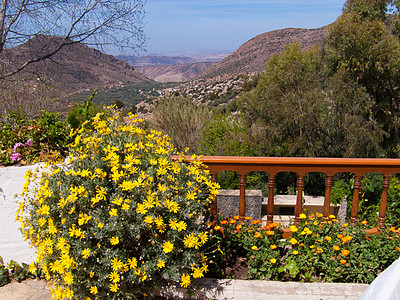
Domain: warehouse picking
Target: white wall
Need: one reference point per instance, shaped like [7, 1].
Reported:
[12, 244]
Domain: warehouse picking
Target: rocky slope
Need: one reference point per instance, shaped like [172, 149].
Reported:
[252, 55]
[74, 68]
[174, 73]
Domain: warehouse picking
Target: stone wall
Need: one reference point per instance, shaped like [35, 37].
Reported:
[12, 244]
[228, 203]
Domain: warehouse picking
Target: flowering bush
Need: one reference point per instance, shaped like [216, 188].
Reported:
[318, 249]
[24, 140]
[120, 218]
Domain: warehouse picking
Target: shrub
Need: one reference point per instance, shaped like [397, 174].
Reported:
[182, 119]
[121, 218]
[82, 112]
[25, 140]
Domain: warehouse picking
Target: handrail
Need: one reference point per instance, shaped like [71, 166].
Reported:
[301, 166]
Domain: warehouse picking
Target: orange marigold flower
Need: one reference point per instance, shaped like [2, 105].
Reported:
[247, 218]
[276, 224]
[266, 227]
[236, 217]
[269, 232]
[365, 222]
[336, 248]
[392, 229]
[273, 247]
[342, 261]
[223, 222]
[345, 252]
[328, 238]
[293, 228]
[293, 241]
[217, 227]
[398, 248]
[339, 236]
[302, 216]
[254, 248]
[254, 222]
[232, 221]
[257, 234]
[345, 225]
[346, 239]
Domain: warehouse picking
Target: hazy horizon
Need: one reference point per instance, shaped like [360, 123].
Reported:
[174, 27]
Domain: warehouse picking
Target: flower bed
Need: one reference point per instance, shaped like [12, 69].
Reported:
[318, 249]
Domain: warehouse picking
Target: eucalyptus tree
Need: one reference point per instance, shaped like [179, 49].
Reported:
[364, 43]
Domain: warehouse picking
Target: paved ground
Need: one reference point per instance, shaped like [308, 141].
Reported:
[221, 290]
[26, 290]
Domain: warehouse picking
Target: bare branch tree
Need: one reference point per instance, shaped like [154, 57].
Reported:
[99, 23]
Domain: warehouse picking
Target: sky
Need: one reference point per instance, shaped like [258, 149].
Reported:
[179, 26]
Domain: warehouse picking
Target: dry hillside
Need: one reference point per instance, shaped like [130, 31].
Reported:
[75, 67]
[252, 55]
[174, 73]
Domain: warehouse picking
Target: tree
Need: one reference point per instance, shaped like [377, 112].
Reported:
[299, 109]
[100, 23]
[364, 43]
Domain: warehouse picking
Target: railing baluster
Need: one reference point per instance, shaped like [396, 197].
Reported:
[299, 201]
[301, 166]
[214, 205]
[327, 202]
[270, 205]
[356, 195]
[383, 205]
[242, 198]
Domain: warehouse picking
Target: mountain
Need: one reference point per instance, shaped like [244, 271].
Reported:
[156, 60]
[252, 55]
[174, 73]
[74, 68]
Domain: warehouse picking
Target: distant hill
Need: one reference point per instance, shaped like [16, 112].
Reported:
[252, 55]
[75, 67]
[156, 60]
[174, 73]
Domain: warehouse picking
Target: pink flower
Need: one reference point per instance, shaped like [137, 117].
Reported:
[29, 142]
[16, 157]
[17, 145]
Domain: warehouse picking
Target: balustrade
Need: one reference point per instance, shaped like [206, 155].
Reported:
[301, 166]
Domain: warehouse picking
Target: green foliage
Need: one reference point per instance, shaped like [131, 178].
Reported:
[25, 140]
[82, 112]
[4, 273]
[318, 249]
[121, 218]
[182, 119]
[18, 272]
[364, 44]
[129, 94]
[298, 109]
[14, 271]
[226, 134]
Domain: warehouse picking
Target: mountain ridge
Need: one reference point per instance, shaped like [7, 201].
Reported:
[75, 67]
[252, 55]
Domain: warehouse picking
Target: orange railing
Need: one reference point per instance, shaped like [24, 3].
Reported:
[302, 166]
